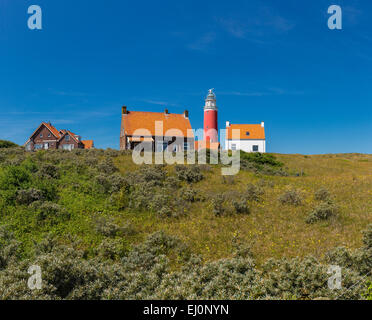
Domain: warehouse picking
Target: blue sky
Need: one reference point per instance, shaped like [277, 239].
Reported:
[272, 61]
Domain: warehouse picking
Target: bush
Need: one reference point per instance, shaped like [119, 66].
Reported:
[7, 144]
[110, 249]
[149, 175]
[28, 196]
[14, 177]
[241, 206]
[291, 197]
[107, 166]
[50, 212]
[322, 194]
[48, 171]
[117, 182]
[254, 193]
[107, 227]
[260, 158]
[217, 204]
[323, 211]
[190, 174]
[190, 195]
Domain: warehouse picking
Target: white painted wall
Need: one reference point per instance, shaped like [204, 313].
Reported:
[246, 145]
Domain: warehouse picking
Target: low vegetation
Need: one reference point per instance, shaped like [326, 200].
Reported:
[7, 144]
[101, 227]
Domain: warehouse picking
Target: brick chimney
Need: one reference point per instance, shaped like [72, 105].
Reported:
[166, 111]
[124, 110]
[186, 114]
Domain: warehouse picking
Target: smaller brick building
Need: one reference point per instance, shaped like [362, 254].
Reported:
[46, 136]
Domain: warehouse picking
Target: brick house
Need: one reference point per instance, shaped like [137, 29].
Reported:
[46, 136]
[157, 129]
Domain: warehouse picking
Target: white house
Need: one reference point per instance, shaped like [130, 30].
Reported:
[245, 137]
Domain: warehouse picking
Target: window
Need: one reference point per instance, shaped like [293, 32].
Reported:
[67, 138]
[38, 146]
[161, 146]
[49, 135]
[247, 133]
[68, 147]
[41, 135]
[165, 146]
[255, 148]
[185, 146]
[233, 146]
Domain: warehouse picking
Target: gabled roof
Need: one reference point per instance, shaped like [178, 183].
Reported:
[66, 132]
[88, 144]
[134, 120]
[49, 126]
[256, 132]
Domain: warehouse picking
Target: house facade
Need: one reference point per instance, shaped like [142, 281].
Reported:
[46, 137]
[245, 137]
[157, 131]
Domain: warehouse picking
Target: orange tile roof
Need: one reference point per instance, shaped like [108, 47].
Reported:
[256, 132]
[88, 144]
[52, 129]
[66, 132]
[134, 120]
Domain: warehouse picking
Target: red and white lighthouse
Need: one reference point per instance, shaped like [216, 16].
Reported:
[210, 118]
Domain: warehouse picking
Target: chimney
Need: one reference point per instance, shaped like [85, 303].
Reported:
[124, 110]
[263, 124]
[166, 111]
[227, 124]
[186, 114]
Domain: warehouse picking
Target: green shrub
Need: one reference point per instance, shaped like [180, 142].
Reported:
[323, 211]
[291, 197]
[50, 212]
[260, 158]
[368, 293]
[107, 227]
[253, 193]
[28, 196]
[14, 177]
[107, 166]
[48, 171]
[190, 173]
[190, 195]
[218, 205]
[7, 144]
[241, 206]
[322, 194]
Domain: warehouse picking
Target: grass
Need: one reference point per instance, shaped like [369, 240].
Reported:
[272, 229]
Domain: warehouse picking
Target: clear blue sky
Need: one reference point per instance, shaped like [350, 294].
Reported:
[273, 61]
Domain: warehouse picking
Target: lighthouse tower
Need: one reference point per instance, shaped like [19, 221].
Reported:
[210, 118]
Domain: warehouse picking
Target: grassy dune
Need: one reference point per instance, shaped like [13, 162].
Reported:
[102, 227]
[273, 229]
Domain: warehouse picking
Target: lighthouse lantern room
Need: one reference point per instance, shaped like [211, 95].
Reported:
[210, 118]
